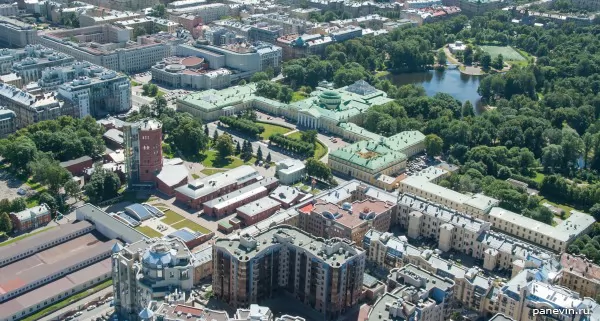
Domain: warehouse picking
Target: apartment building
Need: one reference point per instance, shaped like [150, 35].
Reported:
[523, 294]
[90, 89]
[325, 275]
[7, 122]
[149, 270]
[557, 238]
[580, 275]
[29, 62]
[14, 33]
[123, 5]
[31, 109]
[99, 16]
[348, 211]
[391, 252]
[478, 7]
[205, 13]
[108, 46]
[413, 294]
[424, 184]
[455, 230]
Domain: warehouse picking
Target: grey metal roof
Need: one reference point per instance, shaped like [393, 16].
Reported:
[75, 161]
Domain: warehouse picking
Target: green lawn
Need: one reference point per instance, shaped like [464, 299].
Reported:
[171, 217]
[508, 53]
[195, 176]
[320, 150]
[33, 200]
[61, 304]
[539, 177]
[298, 95]
[35, 186]
[18, 238]
[211, 158]
[297, 135]
[563, 207]
[192, 226]
[148, 231]
[210, 171]
[271, 129]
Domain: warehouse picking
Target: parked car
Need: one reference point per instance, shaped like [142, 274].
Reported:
[91, 307]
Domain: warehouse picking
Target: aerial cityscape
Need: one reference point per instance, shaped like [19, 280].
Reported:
[300, 160]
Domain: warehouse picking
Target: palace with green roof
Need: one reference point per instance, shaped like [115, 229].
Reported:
[330, 110]
[376, 161]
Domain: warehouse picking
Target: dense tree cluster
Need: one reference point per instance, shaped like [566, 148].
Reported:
[318, 169]
[243, 125]
[274, 90]
[181, 131]
[588, 245]
[103, 185]
[303, 148]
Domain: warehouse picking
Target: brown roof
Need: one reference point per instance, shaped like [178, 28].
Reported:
[580, 266]
[47, 291]
[48, 262]
[34, 241]
[191, 61]
[352, 218]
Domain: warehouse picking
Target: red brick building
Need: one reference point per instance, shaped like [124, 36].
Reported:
[31, 218]
[227, 204]
[195, 193]
[351, 220]
[151, 158]
[77, 165]
[258, 210]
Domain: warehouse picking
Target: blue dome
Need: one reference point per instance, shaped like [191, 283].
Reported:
[159, 254]
[117, 247]
[146, 314]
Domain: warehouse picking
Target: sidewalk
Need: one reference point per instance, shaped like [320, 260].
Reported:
[73, 306]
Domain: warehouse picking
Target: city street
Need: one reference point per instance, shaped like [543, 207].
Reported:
[87, 315]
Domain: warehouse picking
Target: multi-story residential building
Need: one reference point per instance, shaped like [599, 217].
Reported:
[556, 238]
[523, 294]
[326, 275]
[90, 90]
[31, 109]
[123, 5]
[580, 275]
[149, 270]
[414, 294]
[455, 230]
[219, 36]
[143, 146]
[150, 24]
[206, 13]
[387, 251]
[478, 7]
[29, 62]
[108, 46]
[303, 45]
[430, 293]
[9, 9]
[31, 218]
[8, 120]
[14, 33]
[424, 184]
[99, 16]
[348, 211]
